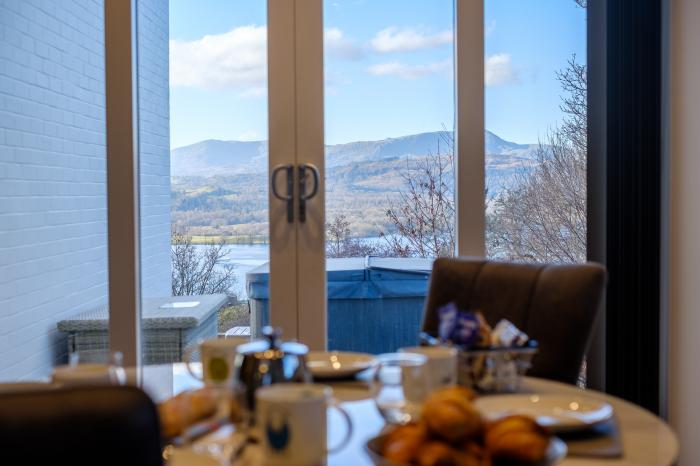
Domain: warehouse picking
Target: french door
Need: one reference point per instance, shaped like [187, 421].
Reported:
[301, 38]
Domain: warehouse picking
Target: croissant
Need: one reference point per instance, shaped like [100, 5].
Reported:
[451, 417]
[516, 439]
[402, 444]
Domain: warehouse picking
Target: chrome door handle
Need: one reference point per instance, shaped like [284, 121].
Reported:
[304, 169]
[289, 197]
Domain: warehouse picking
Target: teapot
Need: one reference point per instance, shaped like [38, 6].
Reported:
[268, 361]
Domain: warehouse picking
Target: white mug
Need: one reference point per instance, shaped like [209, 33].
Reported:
[441, 364]
[88, 375]
[218, 356]
[291, 419]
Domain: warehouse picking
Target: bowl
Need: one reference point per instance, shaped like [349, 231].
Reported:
[555, 452]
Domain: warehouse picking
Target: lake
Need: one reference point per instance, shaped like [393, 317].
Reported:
[245, 257]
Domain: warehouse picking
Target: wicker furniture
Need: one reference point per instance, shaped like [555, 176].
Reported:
[169, 326]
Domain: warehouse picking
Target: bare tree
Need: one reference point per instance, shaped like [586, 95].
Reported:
[424, 213]
[542, 215]
[339, 243]
[200, 272]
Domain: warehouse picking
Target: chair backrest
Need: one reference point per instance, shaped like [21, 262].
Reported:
[556, 305]
[105, 426]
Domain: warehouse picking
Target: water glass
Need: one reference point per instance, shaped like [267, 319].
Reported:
[400, 386]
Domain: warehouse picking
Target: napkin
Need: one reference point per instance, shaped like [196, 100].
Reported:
[600, 441]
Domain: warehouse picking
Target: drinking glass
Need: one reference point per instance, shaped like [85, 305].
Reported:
[400, 386]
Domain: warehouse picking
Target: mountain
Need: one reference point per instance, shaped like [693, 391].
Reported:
[220, 187]
[214, 157]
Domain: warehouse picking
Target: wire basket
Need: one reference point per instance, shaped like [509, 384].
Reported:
[494, 370]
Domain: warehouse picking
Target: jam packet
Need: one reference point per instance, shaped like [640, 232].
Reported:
[460, 327]
[505, 333]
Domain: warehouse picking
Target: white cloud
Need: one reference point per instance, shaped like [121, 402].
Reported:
[404, 71]
[498, 71]
[393, 39]
[232, 60]
[338, 46]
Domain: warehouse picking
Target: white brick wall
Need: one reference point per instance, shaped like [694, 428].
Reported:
[53, 241]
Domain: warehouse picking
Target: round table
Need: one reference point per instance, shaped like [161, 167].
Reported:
[646, 439]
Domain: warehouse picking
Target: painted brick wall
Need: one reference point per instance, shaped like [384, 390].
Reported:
[53, 236]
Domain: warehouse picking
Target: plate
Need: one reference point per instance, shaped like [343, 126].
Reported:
[559, 413]
[556, 451]
[338, 364]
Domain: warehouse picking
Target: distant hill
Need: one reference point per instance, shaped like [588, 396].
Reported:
[220, 187]
[213, 157]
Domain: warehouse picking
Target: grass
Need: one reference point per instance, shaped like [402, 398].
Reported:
[236, 315]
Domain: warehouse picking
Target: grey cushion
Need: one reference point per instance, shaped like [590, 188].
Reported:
[556, 305]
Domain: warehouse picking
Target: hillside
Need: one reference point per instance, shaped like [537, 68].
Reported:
[220, 187]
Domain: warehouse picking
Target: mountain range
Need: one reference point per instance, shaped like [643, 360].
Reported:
[220, 187]
[215, 157]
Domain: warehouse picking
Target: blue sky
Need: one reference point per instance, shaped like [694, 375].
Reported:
[388, 67]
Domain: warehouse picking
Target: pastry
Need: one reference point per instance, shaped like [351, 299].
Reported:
[450, 414]
[516, 440]
[434, 453]
[185, 409]
[402, 444]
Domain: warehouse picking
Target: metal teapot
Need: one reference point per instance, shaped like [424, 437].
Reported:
[268, 361]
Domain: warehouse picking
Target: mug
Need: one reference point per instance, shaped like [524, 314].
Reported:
[75, 375]
[441, 364]
[292, 423]
[218, 356]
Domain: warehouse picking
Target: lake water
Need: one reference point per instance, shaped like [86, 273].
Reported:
[245, 257]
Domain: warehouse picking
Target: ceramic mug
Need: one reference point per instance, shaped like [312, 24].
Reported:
[218, 356]
[292, 424]
[441, 364]
[88, 375]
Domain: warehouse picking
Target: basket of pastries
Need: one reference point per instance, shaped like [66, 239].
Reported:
[451, 432]
[491, 359]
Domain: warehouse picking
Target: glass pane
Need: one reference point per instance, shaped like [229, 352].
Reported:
[389, 165]
[53, 205]
[536, 130]
[203, 147]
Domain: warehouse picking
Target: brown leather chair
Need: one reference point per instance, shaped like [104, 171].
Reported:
[106, 426]
[556, 305]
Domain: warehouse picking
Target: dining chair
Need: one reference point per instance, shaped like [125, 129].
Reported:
[106, 426]
[556, 305]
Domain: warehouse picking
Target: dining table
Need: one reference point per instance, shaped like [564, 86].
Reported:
[645, 438]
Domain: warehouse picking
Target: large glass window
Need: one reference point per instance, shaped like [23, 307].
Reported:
[535, 101]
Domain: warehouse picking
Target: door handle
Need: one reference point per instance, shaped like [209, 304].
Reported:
[289, 197]
[304, 170]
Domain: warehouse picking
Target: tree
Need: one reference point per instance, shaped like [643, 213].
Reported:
[200, 272]
[542, 216]
[424, 213]
[339, 243]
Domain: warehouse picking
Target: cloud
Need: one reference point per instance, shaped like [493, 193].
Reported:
[393, 39]
[411, 71]
[498, 71]
[338, 46]
[490, 28]
[236, 59]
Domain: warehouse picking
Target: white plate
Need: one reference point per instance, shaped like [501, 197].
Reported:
[338, 364]
[559, 413]
[556, 451]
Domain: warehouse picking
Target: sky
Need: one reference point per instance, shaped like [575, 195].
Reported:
[388, 67]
